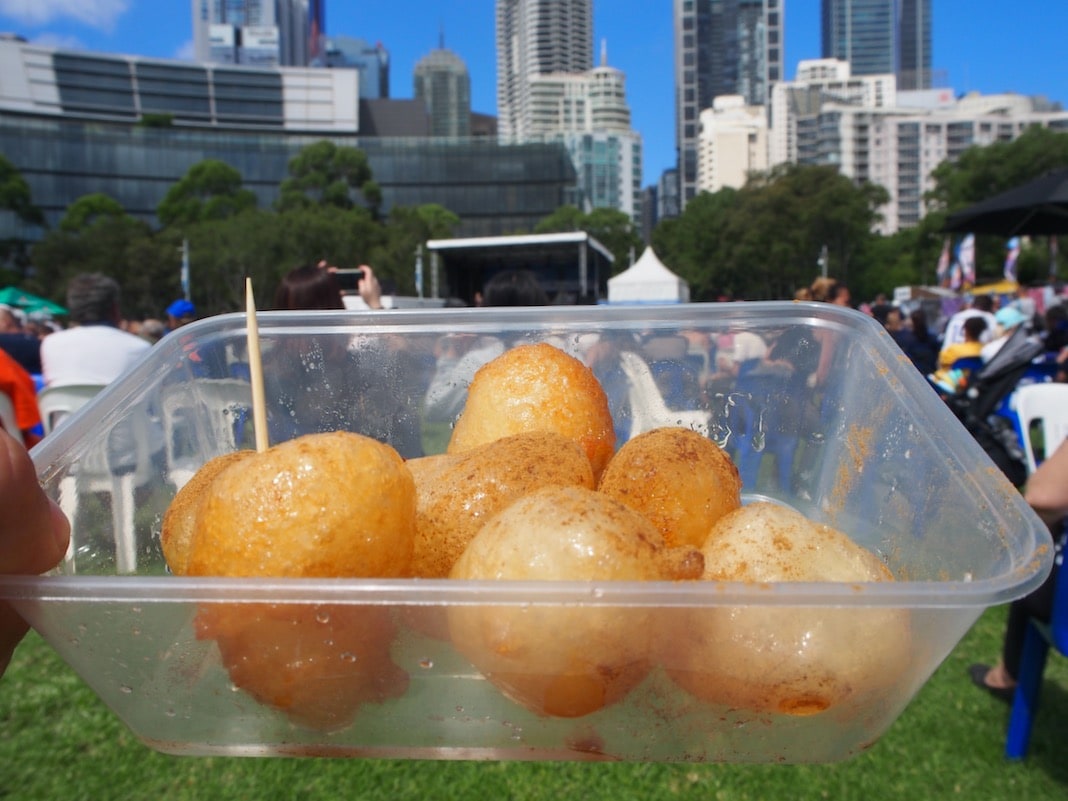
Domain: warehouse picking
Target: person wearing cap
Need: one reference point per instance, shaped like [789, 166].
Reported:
[1006, 320]
[179, 313]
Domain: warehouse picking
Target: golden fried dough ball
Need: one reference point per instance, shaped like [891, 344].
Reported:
[679, 479]
[317, 663]
[563, 660]
[536, 388]
[455, 498]
[180, 518]
[786, 659]
[337, 504]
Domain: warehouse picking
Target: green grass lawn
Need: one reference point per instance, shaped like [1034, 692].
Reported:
[57, 741]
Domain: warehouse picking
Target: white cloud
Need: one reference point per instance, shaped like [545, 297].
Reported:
[185, 51]
[94, 13]
[59, 41]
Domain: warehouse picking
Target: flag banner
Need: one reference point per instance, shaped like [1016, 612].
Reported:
[942, 270]
[1012, 253]
[966, 260]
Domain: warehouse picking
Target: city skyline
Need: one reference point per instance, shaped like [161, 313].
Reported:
[976, 45]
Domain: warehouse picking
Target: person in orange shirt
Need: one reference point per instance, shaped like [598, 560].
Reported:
[18, 385]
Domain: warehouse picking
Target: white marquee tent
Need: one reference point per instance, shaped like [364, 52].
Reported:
[648, 281]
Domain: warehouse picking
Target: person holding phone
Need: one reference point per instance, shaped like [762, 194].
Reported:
[361, 279]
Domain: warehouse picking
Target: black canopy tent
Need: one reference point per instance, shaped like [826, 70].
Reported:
[572, 267]
[1036, 208]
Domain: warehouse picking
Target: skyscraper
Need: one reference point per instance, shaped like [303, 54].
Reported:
[372, 62]
[263, 33]
[535, 37]
[443, 83]
[879, 37]
[722, 47]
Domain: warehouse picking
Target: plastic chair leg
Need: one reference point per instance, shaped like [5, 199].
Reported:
[122, 515]
[68, 502]
[1025, 702]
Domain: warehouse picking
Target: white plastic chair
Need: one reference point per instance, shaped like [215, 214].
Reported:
[648, 409]
[93, 473]
[202, 419]
[1047, 405]
[7, 417]
[56, 403]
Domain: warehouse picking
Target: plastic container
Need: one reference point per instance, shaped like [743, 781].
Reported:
[354, 667]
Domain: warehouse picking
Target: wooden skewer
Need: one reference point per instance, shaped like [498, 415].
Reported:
[255, 365]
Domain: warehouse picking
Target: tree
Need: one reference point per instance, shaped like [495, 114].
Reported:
[210, 190]
[984, 171]
[611, 227]
[86, 210]
[764, 240]
[407, 230]
[324, 174]
[15, 197]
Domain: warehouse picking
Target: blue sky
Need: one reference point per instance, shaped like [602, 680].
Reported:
[983, 45]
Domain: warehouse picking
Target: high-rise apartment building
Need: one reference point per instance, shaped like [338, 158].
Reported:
[722, 47]
[733, 143]
[535, 37]
[442, 82]
[879, 37]
[258, 33]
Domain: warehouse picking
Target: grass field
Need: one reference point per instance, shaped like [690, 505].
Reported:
[57, 741]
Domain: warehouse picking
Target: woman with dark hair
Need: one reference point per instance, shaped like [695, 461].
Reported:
[334, 384]
[309, 287]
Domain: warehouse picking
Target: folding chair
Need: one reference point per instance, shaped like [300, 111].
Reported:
[122, 463]
[1044, 405]
[648, 408]
[203, 419]
[1037, 641]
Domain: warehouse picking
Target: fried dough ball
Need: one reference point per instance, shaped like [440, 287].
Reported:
[317, 663]
[337, 504]
[536, 388]
[456, 495]
[679, 479]
[322, 505]
[788, 660]
[179, 520]
[560, 660]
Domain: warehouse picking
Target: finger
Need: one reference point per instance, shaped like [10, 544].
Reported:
[35, 539]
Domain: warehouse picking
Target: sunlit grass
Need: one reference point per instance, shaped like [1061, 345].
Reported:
[57, 740]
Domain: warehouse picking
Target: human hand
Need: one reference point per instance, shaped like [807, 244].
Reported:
[32, 540]
[369, 288]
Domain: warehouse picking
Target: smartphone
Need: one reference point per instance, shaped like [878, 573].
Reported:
[349, 279]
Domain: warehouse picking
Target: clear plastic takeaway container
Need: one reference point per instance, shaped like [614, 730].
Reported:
[362, 667]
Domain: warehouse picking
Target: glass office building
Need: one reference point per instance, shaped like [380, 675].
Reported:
[76, 124]
[880, 37]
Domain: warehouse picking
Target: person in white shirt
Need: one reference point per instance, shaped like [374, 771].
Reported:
[94, 350]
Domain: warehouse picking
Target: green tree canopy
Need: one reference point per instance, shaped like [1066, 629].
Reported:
[325, 174]
[984, 171]
[611, 227]
[210, 190]
[88, 209]
[15, 195]
[764, 240]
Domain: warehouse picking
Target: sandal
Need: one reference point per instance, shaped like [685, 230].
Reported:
[978, 674]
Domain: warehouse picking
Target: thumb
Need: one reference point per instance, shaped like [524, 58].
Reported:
[34, 538]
